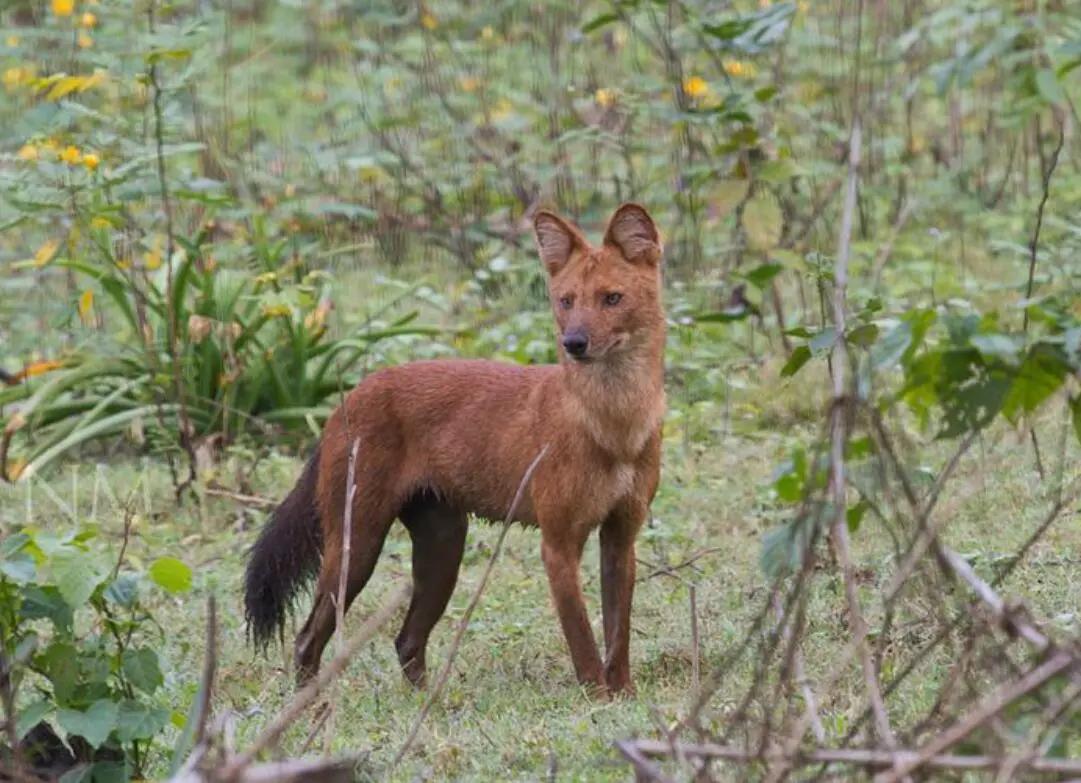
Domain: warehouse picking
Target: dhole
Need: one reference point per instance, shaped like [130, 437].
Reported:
[441, 439]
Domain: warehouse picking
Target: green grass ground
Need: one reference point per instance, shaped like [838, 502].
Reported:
[512, 709]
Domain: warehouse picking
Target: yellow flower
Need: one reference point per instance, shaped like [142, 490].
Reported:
[737, 68]
[86, 302]
[88, 20]
[605, 97]
[487, 33]
[502, 110]
[46, 252]
[428, 20]
[100, 222]
[13, 77]
[695, 86]
[469, 83]
[28, 152]
[152, 260]
[84, 40]
[70, 155]
[91, 161]
[63, 7]
[12, 41]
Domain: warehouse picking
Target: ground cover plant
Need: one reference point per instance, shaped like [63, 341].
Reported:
[216, 218]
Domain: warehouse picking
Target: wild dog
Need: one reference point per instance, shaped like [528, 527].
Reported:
[442, 439]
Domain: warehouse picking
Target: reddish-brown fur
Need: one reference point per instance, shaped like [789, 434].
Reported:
[439, 439]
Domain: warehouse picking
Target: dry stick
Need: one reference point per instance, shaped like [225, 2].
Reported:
[311, 691]
[1034, 244]
[1009, 620]
[240, 497]
[859, 757]
[839, 533]
[210, 667]
[696, 668]
[644, 769]
[988, 708]
[444, 675]
[343, 576]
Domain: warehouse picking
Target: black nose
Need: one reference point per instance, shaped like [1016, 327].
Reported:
[575, 344]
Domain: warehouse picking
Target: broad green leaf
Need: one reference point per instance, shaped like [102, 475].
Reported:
[599, 21]
[60, 663]
[30, 715]
[77, 574]
[123, 591]
[141, 668]
[1049, 86]
[799, 357]
[171, 574]
[46, 603]
[761, 275]
[136, 720]
[94, 725]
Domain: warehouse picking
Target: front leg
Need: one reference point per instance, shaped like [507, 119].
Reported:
[617, 592]
[562, 556]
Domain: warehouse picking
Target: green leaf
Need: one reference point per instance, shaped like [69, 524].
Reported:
[824, 340]
[19, 568]
[46, 603]
[77, 574]
[1049, 87]
[799, 357]
[599, 21]
[171, 574]
[141, 668]
[760, 276]
[863, 335]
[1075, 409]
[94, 725]
[997, 346]
[854, 515]
[123, 591]
[139, 721]
[30, 715]
[60, 663]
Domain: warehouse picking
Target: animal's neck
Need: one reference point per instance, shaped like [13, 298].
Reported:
[620, 401]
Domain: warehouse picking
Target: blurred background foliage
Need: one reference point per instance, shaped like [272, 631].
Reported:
[222, 214]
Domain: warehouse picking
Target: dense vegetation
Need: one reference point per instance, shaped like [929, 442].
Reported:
[218, 217]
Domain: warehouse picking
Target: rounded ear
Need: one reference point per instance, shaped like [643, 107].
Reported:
[556, 240]
[632, 232]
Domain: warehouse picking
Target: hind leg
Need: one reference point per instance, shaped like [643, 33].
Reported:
[438, 535]
[370, 525]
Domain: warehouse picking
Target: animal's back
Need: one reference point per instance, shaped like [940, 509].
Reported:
[459, 428]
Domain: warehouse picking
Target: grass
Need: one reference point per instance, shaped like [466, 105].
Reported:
[512, 709]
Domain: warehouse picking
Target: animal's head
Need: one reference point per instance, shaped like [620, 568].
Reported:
[606, 299]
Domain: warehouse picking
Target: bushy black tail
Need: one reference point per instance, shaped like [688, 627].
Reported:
[284, 558]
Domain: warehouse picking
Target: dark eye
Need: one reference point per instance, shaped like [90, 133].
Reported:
[612, 299]
[566, 302]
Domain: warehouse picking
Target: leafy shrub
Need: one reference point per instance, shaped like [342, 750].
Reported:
[81, 647]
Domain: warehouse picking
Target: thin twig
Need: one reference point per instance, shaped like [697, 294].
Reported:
[860, 757]
[463, 624]
[343, 577]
